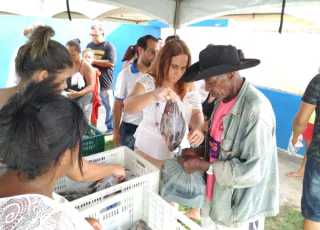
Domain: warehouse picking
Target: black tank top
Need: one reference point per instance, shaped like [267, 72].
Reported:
[75, 87]
[207, 108]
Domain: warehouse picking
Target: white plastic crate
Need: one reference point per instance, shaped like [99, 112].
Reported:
[148, 176]
[120, 212]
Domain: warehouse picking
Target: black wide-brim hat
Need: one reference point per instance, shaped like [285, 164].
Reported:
[216, 60]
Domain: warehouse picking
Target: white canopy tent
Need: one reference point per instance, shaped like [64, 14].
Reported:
[176, 13]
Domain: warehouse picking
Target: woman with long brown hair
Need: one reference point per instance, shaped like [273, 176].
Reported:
[150, 94]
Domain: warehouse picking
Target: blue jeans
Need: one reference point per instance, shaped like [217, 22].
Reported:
[127, 131]
[107, 101]
[310, 203]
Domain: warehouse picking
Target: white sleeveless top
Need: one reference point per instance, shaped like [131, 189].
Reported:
[148, 136]
[33, 211]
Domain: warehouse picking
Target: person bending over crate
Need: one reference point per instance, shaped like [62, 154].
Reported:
[23, 172]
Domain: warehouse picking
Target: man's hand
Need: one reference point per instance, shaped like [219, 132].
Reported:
[193, 164]
[189, 153]
[116, 138]
[94, 223]
[103, 63]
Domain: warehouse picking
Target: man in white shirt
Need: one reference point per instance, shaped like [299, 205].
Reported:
[148, 48]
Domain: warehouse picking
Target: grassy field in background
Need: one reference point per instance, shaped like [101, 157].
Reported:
[109, 145]
[287, 219]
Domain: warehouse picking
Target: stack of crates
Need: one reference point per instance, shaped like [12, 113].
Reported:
[120, 206]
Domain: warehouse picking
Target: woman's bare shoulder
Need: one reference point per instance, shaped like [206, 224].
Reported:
[86, 65]
[193, 87]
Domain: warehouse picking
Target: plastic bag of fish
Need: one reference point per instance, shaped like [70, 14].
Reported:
[92, 188]
[177, 185]
[104, 183]
[140, 225]
[98, 186]
[173, 125]
[180, 187]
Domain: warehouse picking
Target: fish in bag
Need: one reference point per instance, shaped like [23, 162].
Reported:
[173, 125]
[177, 185]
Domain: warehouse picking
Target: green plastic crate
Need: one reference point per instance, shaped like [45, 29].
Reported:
[92, 142]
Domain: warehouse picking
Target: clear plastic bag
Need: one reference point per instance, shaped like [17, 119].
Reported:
[99, 185]
[74, 195]
[129, 175]
[104, 183]
[180, 187]
[173, 125]
[140, 225]
[177, 185]
[293, 149]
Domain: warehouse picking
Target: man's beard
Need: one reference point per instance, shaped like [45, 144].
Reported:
[147, 64]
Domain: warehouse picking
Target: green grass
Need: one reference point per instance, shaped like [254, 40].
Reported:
[287, 219]
[185, 209]
[108, 145]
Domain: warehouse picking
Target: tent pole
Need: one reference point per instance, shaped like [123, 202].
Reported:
[176, 16]
[68, 10]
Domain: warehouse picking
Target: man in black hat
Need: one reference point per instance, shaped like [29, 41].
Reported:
[240, 155]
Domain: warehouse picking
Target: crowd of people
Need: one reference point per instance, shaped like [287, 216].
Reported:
[230, 132]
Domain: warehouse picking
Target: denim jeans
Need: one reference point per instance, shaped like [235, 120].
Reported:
[310, 202]
[127, 131]
[107, 101]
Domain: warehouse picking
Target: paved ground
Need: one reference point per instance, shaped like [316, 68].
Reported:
[101, 125]
[290, 188]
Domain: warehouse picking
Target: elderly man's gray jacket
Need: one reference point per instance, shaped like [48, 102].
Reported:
[247, 182]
